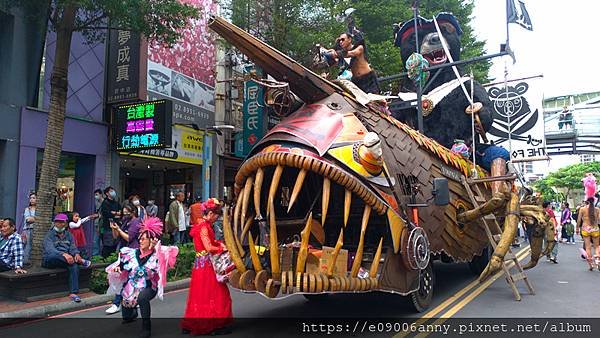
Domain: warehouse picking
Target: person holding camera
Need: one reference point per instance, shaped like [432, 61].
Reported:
[110, 210]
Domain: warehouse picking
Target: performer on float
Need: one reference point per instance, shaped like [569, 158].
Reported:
[208, 309]
[141, 274]
[589, 185]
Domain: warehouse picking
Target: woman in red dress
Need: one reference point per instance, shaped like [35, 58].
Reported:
[208, 308]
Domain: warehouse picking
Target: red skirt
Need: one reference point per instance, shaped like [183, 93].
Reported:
[209, 303]
[78, 236]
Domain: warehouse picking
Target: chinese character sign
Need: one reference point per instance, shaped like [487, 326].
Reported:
[145, 125]
[123, 68]
[253, 115]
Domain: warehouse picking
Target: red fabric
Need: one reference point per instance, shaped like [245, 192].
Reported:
[78, 236]
[209, 303]
[195, 213]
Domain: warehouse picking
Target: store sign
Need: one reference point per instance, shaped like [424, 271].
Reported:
[187, 145]
[253, 115]
[123, 67]
[145, 125]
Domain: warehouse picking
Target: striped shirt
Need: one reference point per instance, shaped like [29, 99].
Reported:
[11, 251]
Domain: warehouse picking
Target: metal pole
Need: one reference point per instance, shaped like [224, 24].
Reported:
[449, 64]
[419, 88]
[506, 110]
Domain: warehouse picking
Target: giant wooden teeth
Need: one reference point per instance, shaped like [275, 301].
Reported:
[347, 202]
[274, 186]
[361, 242]
[325, 201]
[260, 175]
[246, 197]
[297, 187]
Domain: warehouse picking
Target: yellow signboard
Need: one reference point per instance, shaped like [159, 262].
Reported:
[187, 147]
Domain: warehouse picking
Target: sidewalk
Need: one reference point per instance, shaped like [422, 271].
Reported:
[13, 309]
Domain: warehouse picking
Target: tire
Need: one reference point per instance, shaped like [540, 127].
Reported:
[421, 299]
[478, 263]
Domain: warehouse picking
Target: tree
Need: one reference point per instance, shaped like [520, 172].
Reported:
[568, 178]
[294, 27]
[158, 20]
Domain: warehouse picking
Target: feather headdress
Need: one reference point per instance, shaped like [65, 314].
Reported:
[153, 226]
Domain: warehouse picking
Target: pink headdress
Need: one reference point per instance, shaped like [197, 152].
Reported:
[153, 226]
[210, 204]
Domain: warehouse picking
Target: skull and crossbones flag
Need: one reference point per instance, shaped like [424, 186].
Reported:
[517, 13]
[518, 117]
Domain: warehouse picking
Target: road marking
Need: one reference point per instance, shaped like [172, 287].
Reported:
[449, 301]
[452, 311]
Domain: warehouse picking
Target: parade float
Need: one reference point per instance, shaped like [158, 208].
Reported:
[341, 196]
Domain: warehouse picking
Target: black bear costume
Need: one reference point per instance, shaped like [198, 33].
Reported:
[444, 117]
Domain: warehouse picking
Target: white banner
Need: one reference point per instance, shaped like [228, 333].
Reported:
[519, 111]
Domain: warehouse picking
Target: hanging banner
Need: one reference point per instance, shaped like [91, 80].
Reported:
[253, 111]
[519, 112]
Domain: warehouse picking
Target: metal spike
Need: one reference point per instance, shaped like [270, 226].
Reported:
[347, 203]
[274, 186]
[297, 188]
[325, 200]
[260, 175]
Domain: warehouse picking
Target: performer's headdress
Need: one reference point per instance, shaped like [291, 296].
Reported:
[152, 226]
[212, 204]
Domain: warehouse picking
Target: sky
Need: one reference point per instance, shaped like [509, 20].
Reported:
[563, 45]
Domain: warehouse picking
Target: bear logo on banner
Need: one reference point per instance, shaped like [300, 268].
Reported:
[512, 107]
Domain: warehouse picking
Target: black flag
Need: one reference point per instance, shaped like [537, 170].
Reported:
[518, 14]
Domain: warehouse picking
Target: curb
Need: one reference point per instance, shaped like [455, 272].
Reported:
[62, 307]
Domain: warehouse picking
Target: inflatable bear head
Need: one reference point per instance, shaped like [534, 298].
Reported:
[430, 42]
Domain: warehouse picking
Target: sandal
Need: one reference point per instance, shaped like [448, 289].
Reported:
[75, 298]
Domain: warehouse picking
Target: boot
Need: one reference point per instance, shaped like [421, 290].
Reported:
[146, 328]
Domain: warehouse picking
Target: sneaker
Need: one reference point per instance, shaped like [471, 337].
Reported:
[86, 264]
[113, 309]
[75, 298]
[554, 260]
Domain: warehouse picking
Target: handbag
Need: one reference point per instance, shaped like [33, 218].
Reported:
[223, 265]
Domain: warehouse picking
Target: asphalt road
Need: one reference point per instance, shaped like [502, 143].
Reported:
[562, 290]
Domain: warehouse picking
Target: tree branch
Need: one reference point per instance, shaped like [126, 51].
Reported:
[86, 24]
[107, 27]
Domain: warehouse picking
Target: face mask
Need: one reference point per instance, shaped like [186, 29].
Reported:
[113, 194]
[136, 202]
[97, 197]
[59, 230]
[150, 202]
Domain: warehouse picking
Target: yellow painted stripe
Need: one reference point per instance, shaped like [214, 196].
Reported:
[450, 300]
[452, 311]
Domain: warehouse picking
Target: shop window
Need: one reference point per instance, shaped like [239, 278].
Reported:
[65, 184]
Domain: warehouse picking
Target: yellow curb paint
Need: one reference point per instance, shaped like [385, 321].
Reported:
[452, 311]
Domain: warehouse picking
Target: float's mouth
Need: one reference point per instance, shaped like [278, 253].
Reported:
[289, 178]
[436, 57]
[280, 193]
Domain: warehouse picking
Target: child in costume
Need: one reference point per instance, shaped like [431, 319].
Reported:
[141, 274]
